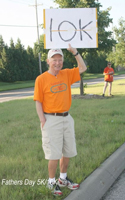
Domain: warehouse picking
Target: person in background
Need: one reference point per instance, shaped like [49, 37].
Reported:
[52, 94]
[108, 77]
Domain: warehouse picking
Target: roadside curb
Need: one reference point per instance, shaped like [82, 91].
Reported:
[98, 183]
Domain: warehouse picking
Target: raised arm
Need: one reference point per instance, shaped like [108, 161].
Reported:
[81, 65]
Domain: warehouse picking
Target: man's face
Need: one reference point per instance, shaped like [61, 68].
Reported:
[109, 64]
[55, 63]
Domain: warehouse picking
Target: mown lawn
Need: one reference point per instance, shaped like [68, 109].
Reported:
[99, 127]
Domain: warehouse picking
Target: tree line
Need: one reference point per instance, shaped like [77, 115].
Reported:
[18, 63]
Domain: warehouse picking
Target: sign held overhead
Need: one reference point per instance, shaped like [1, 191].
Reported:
[77, 26]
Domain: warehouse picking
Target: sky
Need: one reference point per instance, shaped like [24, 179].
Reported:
[18, 18]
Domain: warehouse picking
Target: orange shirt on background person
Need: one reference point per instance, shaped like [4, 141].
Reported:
[54, 92]
[108, 77]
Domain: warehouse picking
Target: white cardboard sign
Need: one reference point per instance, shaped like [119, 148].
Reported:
[77, 26]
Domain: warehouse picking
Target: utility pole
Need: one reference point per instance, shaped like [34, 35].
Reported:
[39, 54]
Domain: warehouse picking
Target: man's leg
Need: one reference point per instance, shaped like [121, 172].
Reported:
[110, 88]
[105, 86]
[64, 164]
[52, 165]
[64, 161]
[69, 150]
[64, 180]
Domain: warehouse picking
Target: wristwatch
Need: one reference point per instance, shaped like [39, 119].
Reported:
[76, 53]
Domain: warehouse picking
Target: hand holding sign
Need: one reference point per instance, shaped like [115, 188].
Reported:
[72, 50]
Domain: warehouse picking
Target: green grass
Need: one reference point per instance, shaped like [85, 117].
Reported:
[118, 88]
[16, 85]
[93, 76]
[100, 130]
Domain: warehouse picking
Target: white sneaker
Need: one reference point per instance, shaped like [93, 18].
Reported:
[69, 183]
[55, 189]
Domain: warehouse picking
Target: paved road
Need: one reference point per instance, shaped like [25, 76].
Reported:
[98, 80]
[28, 92]
[117, 191]
[16, 94]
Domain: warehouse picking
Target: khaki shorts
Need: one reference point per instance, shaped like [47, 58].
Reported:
[58, 137]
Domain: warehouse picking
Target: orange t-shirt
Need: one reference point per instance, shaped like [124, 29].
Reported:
[54, 92]
[108, 77]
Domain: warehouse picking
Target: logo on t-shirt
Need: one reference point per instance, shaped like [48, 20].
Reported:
[58, 88]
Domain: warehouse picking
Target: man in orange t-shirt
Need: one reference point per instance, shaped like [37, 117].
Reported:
[52, 94]
[108, 77]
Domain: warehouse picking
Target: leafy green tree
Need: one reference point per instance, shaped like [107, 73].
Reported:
[103, 20]
[117, 56]
[21, 60]
[3, 60]
[32, 63]
[105, 40]
[12, 46]
[96, 65]
[2, 45]
[9, 70]
[16, 63]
